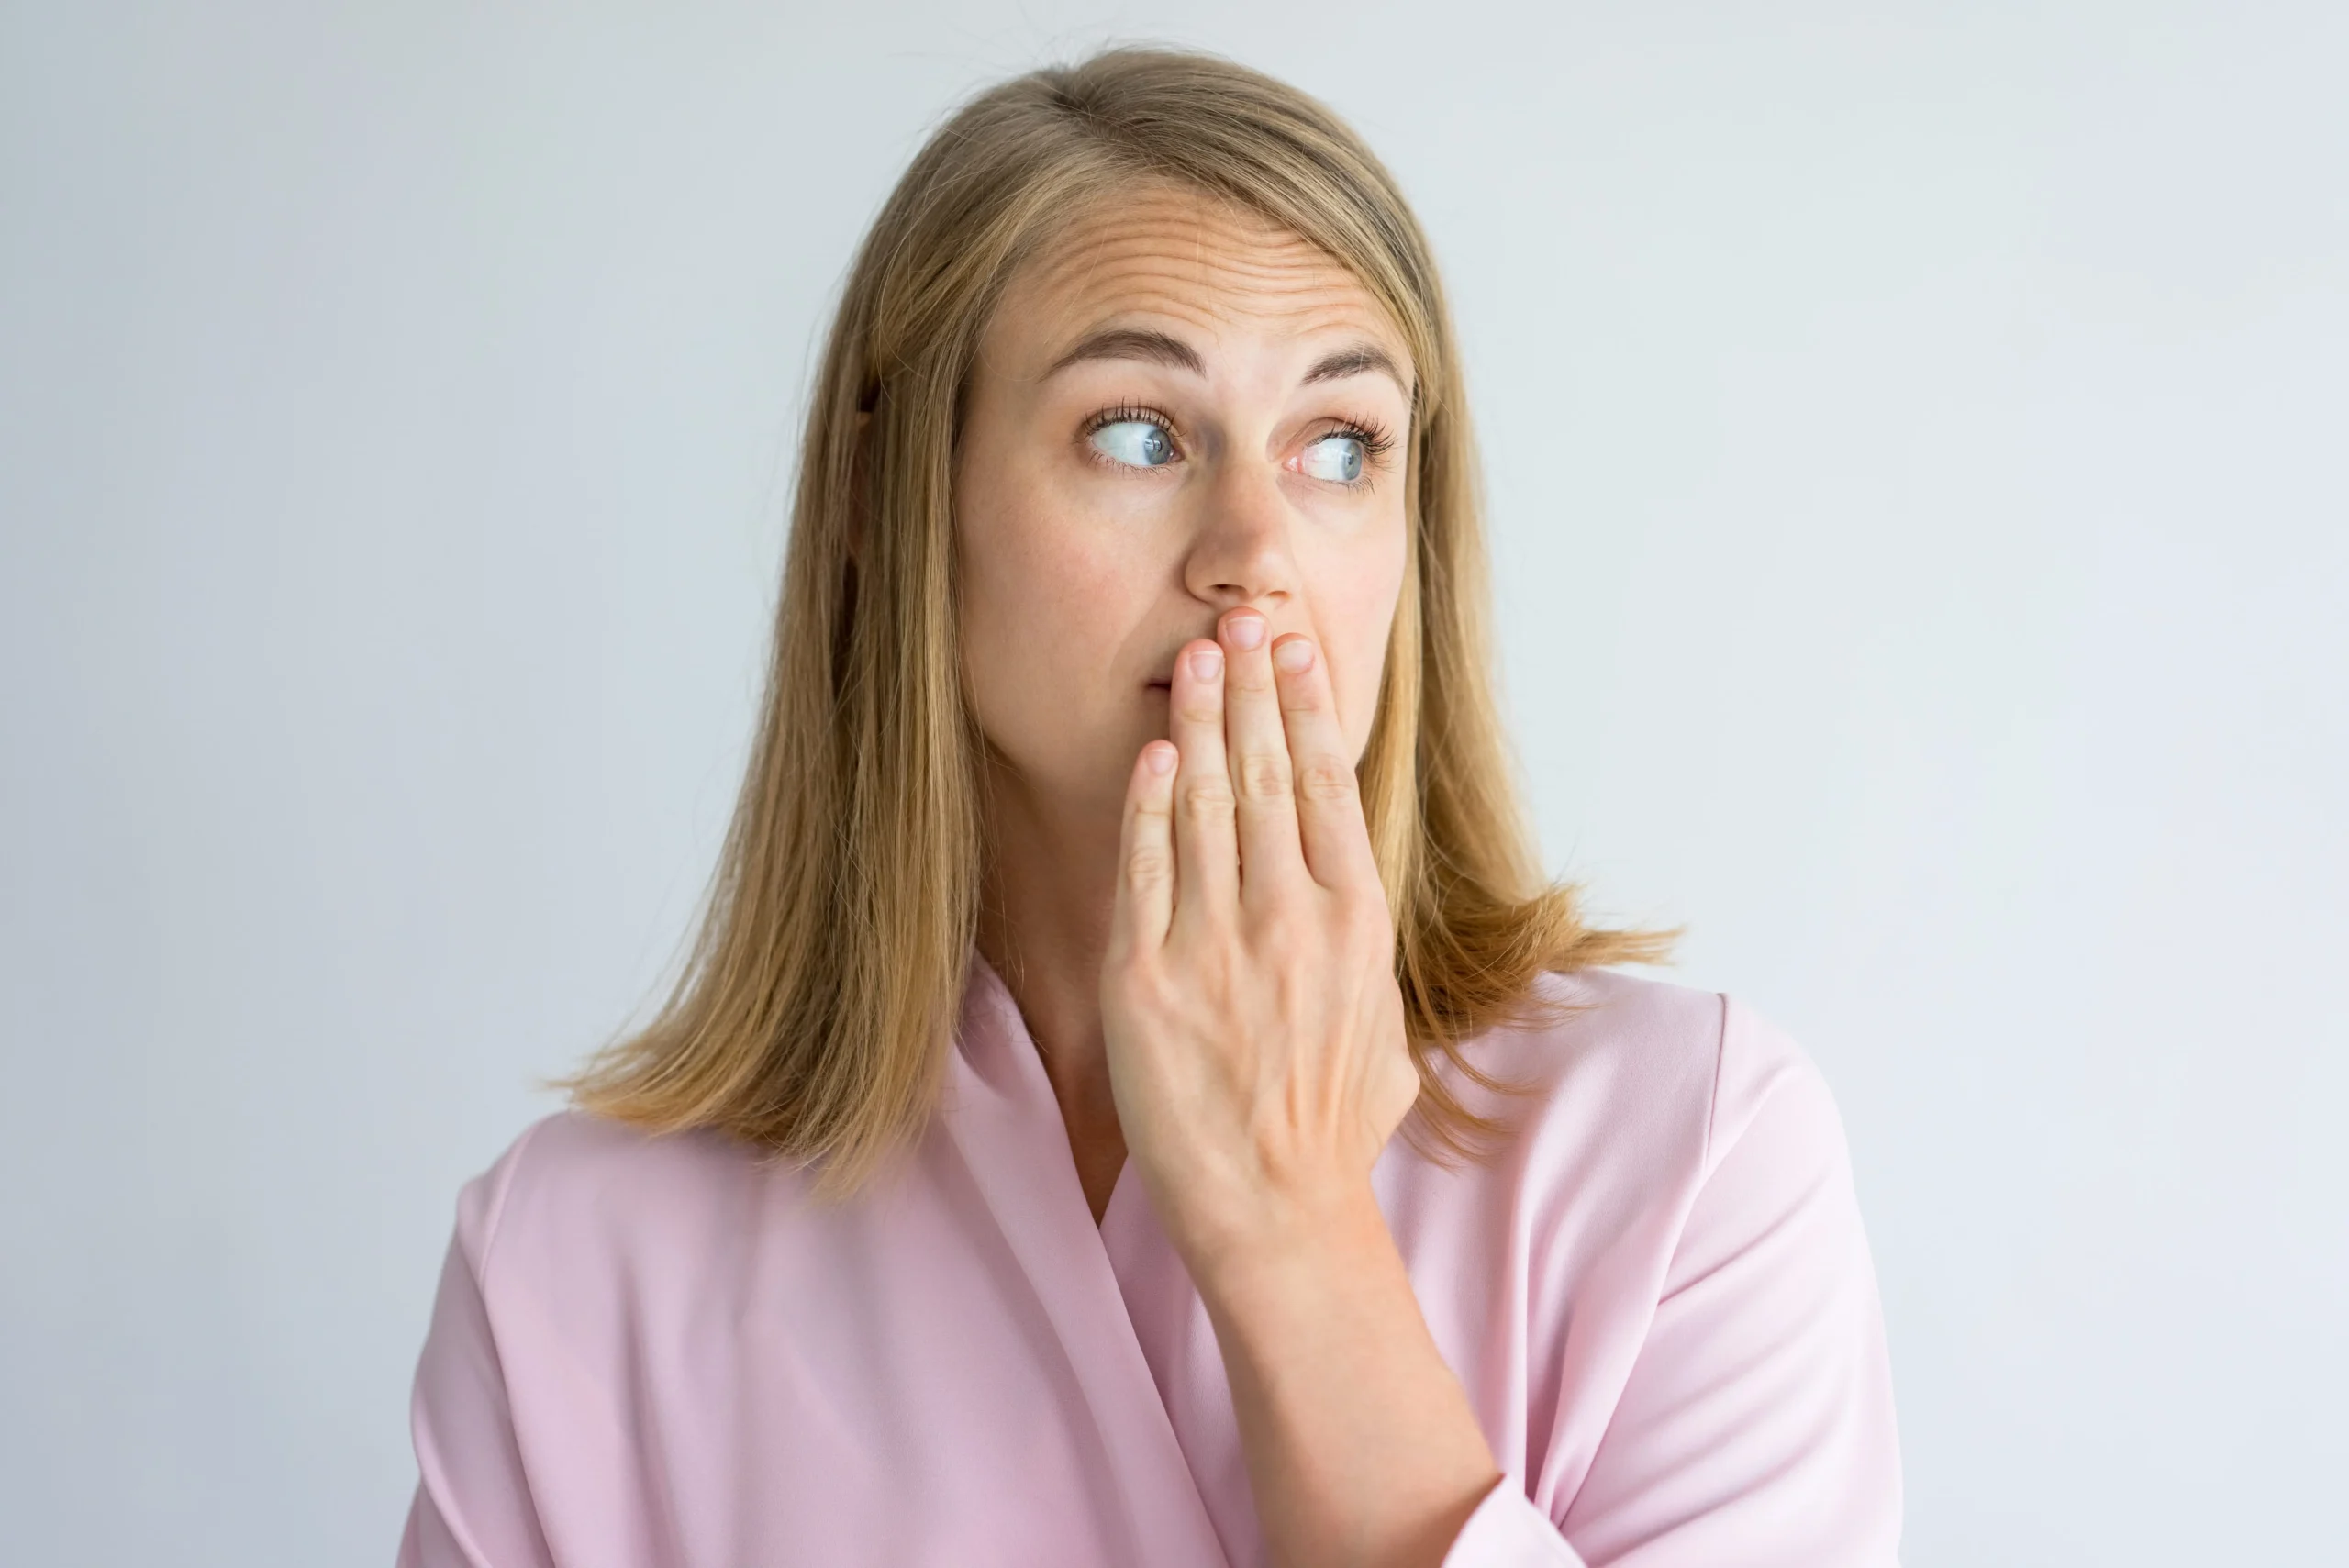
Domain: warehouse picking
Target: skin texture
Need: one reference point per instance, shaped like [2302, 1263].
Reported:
[1173, 629]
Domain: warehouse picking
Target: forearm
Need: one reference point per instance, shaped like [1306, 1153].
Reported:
[1361, 1445]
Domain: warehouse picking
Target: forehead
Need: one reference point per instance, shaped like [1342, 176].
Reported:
[1187, 259]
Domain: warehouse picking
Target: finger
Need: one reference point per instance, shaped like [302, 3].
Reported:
[1145, 901]
[1329, 800]
[1207, 857]
[1261, 772]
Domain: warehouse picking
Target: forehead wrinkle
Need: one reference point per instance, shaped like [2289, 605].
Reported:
[1199, 262]
[1199, 323]
[1188, 261]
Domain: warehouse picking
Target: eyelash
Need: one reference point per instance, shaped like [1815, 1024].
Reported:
[1375, 442]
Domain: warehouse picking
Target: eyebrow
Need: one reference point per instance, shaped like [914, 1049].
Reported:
[1355, 361]
[1164, 348]
[1132, 343]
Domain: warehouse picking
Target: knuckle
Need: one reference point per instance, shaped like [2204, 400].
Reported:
[1149, 869]
[1263, 776]
[1365, 924]
[1282, 928]
[1324, 779]
[1207, 799]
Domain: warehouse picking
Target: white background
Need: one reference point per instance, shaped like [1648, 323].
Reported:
[1916, 443]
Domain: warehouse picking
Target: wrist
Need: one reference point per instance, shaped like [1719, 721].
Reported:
[1293, 1249]
[1362, 1430]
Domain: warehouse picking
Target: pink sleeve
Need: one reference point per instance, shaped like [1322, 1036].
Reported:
[1755, 1429]
[1508, 1532]
[473, 1506]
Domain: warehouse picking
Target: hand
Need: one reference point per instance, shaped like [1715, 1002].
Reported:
[1254, 1027]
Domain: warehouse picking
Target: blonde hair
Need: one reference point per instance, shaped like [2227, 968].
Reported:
[818, 1001]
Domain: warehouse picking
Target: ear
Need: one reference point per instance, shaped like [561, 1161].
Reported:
[859, 490]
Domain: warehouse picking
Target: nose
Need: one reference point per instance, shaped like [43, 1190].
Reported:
[1241, 552]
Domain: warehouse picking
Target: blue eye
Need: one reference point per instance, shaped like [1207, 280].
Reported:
[1137, 443]
[1335, 457]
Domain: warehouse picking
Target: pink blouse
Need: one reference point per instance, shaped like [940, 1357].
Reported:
[653, 1352]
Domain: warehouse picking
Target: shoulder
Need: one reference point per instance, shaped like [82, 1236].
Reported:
[575, 1190]
[1701, 1307]
[1648, 1083]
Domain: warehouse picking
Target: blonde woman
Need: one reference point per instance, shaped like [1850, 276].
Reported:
[1133, 1099]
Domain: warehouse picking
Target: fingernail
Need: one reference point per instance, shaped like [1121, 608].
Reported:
[1295, 655]
[1158, 759]
[1207, 664]
[1245, 631]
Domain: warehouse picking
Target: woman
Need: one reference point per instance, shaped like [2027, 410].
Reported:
[1128, 831]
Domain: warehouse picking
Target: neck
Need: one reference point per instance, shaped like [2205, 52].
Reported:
[1049, 889]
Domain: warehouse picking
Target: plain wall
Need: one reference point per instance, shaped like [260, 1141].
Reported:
[1916, 448]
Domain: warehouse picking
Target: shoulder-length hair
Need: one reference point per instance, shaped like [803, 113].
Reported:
[814, 1013]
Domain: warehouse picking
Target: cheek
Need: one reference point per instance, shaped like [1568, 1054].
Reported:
[1002, 598]
[1356, 595]
[1041, 605]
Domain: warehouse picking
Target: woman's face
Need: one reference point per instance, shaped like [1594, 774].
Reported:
[1177, 409]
